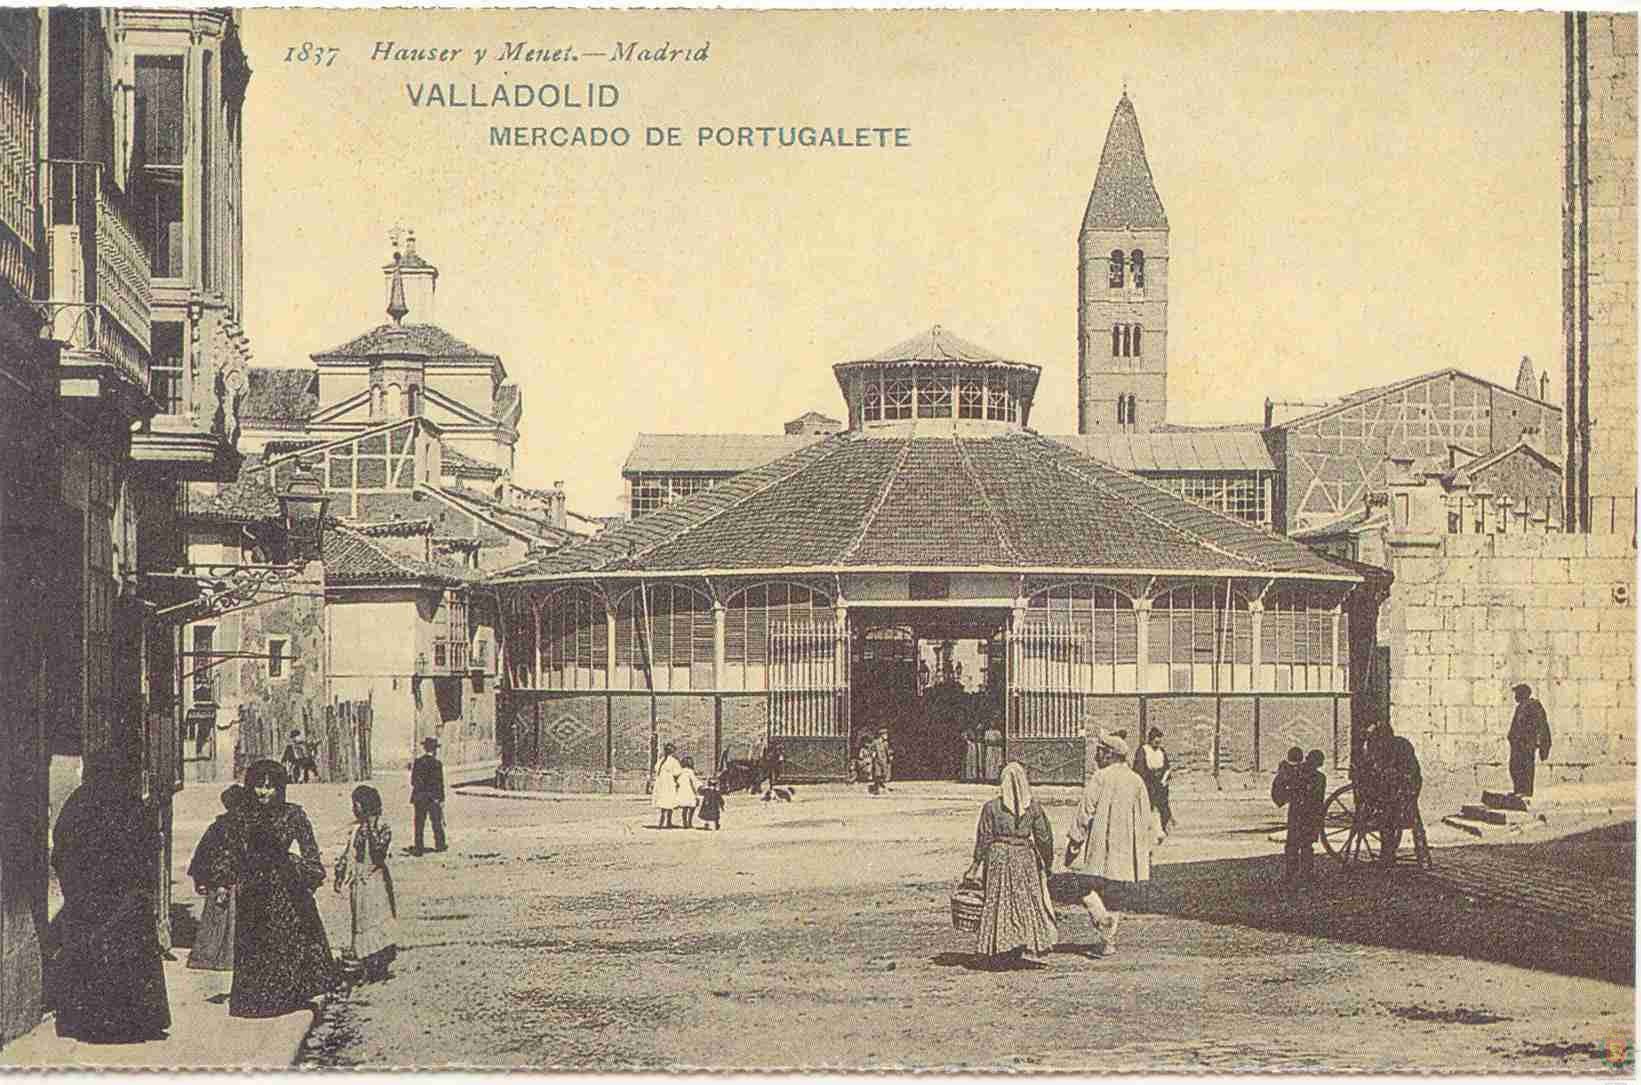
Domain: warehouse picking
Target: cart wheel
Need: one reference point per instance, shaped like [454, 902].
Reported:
[1338, 816]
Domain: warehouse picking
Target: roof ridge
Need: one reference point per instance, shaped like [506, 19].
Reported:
[1102, 485]
[882, 498]
[985, 499]
[739, 500]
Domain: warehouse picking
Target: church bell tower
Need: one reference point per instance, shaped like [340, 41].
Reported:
[1122, 290]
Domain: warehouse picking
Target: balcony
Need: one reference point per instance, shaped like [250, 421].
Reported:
[97, 294]
[19, 121]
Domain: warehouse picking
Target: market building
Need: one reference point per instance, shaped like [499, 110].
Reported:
[814, 599]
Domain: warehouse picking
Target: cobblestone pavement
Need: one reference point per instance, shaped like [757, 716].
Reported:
[1581, 883]
[570, 933]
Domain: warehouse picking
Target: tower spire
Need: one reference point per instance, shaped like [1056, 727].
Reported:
[396, 307]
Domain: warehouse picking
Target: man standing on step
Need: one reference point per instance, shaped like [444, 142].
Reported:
[1529, 735]
[427, 794]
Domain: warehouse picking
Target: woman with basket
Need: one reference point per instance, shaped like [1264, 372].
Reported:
[1004, 898]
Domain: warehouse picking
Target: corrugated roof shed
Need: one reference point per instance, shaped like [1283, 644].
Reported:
[713, 453]
[1198, 450]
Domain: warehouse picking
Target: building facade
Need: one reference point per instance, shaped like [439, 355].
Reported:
[1599, 266]
[792, 604]
[121, 149]
[1331, 458]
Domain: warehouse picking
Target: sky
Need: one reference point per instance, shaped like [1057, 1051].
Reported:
[1353, 199]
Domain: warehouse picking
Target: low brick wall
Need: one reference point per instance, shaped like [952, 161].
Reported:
[1471, 615]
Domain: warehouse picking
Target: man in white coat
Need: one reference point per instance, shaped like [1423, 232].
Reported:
[1110, 839]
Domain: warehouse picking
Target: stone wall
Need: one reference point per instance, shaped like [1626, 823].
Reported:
[1471, 615]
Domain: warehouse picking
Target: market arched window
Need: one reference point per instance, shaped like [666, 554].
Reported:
[1200, 639]
[572, 647]
[747, 617]
[663, 638]
[1300, 642]
[1080, 636]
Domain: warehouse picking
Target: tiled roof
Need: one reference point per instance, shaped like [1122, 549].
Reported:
[1201, 450]
[1353, 522]
[427, 340]
[279, 396]
[938, 345]
[1464, 470]
[712, 452]
[247, 499]
[1016, 501]
[351, 557]
[1124, 196]
[461, 463]
[516, 520]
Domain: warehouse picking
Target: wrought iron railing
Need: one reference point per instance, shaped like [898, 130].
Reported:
[1500, 514]
[19, 124]
[98, 290]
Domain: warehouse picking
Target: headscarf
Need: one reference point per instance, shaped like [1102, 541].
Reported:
[1016, 788]
[268, 770]
[233, 797]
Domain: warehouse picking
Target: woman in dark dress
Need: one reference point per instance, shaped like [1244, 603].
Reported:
[1013, 852]
[282, 959]
[108, 975]
[214, 939]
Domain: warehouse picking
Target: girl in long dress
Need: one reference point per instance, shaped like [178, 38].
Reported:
[362, 867]
[282, 959]
[214, 941]
[664, 788]
[1014, 841]
[108, 979]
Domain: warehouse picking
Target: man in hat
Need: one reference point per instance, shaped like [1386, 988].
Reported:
[1529, 735]
[427, 794]
[292, 757]
[1110, 839]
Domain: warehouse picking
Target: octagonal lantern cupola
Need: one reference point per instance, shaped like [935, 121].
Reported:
[937, 381]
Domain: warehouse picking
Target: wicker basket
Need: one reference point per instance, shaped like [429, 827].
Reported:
[967, 905]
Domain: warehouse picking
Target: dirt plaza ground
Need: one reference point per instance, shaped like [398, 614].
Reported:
[568, 932]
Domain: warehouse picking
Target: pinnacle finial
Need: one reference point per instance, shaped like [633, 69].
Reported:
[396, 307]
[396, 234]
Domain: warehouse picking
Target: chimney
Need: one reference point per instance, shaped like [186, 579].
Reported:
[412, 282]
[1544, 386]
[556, 510]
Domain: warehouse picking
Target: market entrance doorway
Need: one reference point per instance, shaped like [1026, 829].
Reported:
[936, 681]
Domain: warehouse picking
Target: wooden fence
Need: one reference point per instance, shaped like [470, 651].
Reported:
[339, 738]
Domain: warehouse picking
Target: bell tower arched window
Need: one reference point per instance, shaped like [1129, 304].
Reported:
[1116, 341]
[1136, 266]
[1116, 269]
[1135, 331]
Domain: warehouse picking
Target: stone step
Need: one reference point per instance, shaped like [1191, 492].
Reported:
[1502, 800]
[1478, 828]
[1473, 812]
